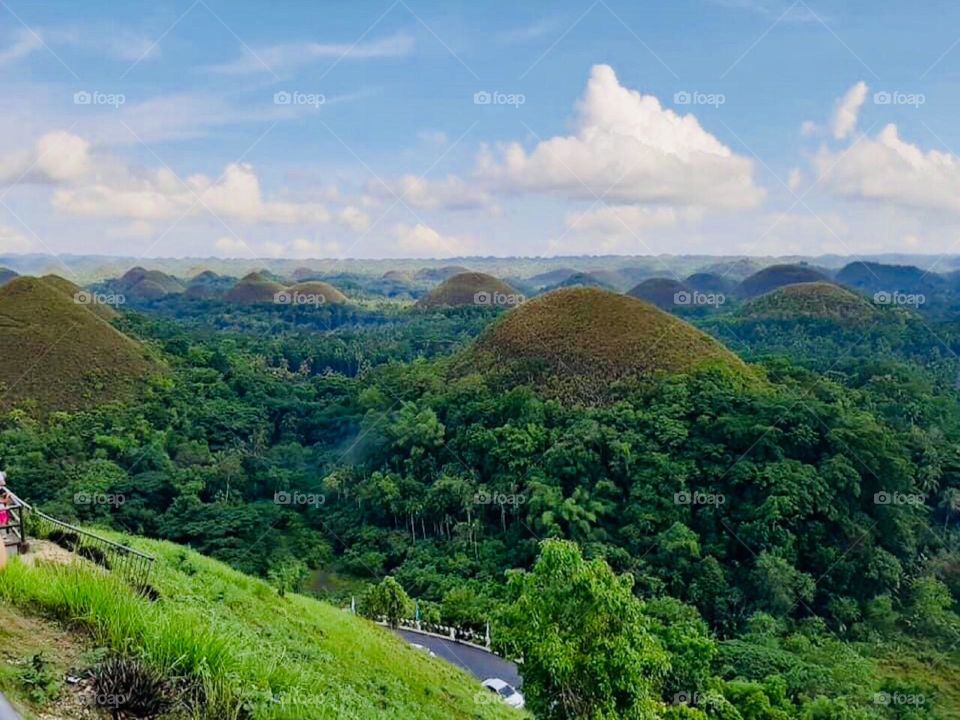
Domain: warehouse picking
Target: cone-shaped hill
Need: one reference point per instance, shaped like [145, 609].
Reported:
[57, 352]
[253, 289]
[439, 274]
[665, 293]
[581, 279]
[592, 337]
[551, 277]
[141, 284]
[208, 285]
[818, 300]
[710, 283]
[77, 294]
[872, 277]
[775, 276]
[470, 288]
[318, 289]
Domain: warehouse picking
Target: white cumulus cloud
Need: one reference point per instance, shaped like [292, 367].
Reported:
[890, 170]
[628, 148]
[848, 111]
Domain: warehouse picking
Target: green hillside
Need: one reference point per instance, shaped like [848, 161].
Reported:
[230, 647]
[253, 289]
[597, 336]
[470, 288]
[818, 300]
[60, 353]
[662, 292]
[770, 278]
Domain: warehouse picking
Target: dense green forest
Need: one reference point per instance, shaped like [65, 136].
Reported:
[783, 544]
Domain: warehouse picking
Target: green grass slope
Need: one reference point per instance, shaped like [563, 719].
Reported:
[599, 336]
[60, 353]
[243, 649]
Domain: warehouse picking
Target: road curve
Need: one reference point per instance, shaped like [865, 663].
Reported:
[480, 664]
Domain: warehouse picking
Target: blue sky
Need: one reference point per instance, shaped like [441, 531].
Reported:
[361, 130]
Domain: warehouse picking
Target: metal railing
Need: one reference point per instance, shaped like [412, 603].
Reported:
[130, 564]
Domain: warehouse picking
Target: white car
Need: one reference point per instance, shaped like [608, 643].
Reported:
[510, 695]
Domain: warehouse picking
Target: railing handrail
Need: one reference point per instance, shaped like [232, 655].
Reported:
[81, 531]
[74, 528]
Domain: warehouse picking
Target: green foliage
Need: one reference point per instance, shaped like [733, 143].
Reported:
[387, 600]
[40, 680]
[587, 646]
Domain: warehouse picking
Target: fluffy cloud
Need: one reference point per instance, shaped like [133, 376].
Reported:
[423, 241]
[451, 193]
[54, 158]
[631, 150]
[233, 247]
[12, 241]
[890, 170]
[620, 221]
[848, 111]
[103, 187]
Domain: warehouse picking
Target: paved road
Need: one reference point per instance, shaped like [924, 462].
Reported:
[480, 664]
